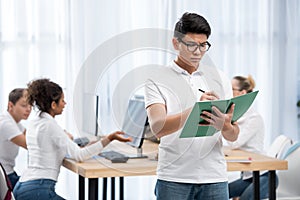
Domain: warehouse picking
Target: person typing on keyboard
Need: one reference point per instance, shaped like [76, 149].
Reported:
[48, 144]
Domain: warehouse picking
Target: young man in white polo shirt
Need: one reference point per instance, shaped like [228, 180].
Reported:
[189, 168]
[12, 133]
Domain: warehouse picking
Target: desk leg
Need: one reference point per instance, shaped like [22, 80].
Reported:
[93, 188]
[256, 184]
[112, 188]
[272, 185]
[81, 188]
[104, 189]
[121, 188]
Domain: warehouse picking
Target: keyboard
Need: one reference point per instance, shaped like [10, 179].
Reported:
[82, 141]
[114, 157]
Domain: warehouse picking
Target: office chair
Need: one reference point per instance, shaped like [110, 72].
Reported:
[288, 187]
[280, 145]
[5, 187]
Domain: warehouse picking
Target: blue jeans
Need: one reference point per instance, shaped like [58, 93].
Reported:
[165, 190]
[36, 189]
[244, 188]
[13, 178]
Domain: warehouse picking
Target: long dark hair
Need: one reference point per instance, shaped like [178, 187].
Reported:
[42, 92]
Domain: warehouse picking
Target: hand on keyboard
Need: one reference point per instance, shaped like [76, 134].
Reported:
[114, 157]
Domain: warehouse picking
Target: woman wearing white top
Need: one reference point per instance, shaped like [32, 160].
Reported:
[251, 138]
[12, 133]
[48, 144]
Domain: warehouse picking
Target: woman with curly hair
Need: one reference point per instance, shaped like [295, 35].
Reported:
[48, 144]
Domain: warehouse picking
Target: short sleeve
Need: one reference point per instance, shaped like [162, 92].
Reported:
[152, 94]
[9, 129]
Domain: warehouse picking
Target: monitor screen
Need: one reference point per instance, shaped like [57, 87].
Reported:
[134, 121]
[90, 114]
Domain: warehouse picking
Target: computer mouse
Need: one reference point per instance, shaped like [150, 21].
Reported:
[119, 159]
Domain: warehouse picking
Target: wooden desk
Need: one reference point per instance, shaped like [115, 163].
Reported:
[100, 167]
[258, 163]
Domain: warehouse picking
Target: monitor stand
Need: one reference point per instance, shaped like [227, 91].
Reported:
[139, 154]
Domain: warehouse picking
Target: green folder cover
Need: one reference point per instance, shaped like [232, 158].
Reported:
[192, 128]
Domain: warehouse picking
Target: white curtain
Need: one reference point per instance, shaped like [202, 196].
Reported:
[53, 38]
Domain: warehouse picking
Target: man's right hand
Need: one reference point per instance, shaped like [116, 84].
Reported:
[209, 96]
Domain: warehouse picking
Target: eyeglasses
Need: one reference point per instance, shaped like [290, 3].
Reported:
[235, 89]
[193, 46]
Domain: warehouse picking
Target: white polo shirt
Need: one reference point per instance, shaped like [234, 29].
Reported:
[47, 145]
[9, 129]
[188, 160]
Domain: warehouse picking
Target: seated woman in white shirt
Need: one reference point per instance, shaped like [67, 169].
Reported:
[12, 133]
[48, 144]
[251, 138]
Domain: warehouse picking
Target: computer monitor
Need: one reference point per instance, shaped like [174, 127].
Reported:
[90, 104]
[134, 123]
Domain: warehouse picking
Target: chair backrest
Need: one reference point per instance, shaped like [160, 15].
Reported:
[5, 187]
[289, 179]
[280, 145]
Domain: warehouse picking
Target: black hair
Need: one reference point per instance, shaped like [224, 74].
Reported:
[191, 23]
[42, 92]
[15, 95]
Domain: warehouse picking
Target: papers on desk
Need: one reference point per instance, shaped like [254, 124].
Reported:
[238, 159]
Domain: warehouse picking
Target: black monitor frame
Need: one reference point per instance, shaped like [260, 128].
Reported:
[134, 124]
[97, 115]
[141, 113]
[90, 103]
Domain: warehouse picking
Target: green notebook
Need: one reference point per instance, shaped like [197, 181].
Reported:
[192, 128]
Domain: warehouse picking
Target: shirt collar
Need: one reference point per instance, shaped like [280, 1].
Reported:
[179, 70]
[10, 116]
[46, 115]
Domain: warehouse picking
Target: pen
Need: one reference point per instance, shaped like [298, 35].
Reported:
[201, 90]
